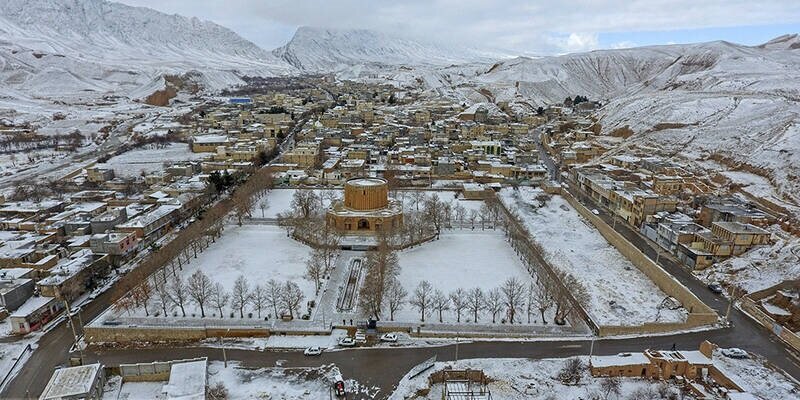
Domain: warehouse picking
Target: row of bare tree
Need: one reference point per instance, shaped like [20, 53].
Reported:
[555, 288]
[170, 292]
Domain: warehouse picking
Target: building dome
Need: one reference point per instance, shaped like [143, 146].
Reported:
[365, 194]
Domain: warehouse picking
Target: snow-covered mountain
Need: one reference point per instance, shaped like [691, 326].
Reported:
[325, 50]
[737, 105]
[53, 48]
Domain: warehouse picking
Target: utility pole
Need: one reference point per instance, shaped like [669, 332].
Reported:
[457, 334]
[224, 355]
[74, 333]
[733, 292]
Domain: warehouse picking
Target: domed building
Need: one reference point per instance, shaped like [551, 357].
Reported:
[366, 207]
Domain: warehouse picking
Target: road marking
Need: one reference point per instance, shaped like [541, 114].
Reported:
[570, 346]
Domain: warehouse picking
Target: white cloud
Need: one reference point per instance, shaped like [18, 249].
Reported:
[522, 25]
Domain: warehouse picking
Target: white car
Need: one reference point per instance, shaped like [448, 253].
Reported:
[733, 352]
[361, 337]
[595, 212]
[313, 351]
[389, 337]
[347, 342]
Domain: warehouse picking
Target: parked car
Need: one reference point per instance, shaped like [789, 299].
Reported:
[347, 342]
[338, 388]
[361, 337]
[313, 351]
[733, 352]
[595, 212]
[389, 337]
[715, 287]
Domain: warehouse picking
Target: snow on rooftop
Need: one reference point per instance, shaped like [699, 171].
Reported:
[72, 381]
[187, 381]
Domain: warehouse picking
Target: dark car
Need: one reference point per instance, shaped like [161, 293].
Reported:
[338, 388]
[715, 287]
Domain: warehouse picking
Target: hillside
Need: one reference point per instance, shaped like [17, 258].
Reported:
[61, 49]
[326, 50]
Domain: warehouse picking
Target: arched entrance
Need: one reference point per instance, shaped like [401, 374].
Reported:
[363, 224]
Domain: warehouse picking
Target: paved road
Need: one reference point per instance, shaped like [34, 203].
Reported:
[385, 367]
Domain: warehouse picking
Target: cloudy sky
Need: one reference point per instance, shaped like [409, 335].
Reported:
[529, 27]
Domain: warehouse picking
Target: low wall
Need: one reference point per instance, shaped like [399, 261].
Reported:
[699, 313]
[156, 371]
[127, 334]
[751, 308]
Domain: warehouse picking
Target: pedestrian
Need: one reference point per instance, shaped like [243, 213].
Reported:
[673, 347]
[344, 322]
[351, 321]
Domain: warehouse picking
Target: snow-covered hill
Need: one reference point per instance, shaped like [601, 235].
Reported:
[57, 48]
[325, 50]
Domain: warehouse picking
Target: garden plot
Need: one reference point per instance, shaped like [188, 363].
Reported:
[151, 158]
[257, 252]
[462, 259]
[620, 293]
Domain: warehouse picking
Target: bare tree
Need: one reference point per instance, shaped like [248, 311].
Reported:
[243, 207]
[291, 297]
[382, 268]
[440, 302]
[543, 298]
[460, 300]
[200, 290]
[219, 298]
[263, 206]
[315, 269]
[433, 209]
[240, 296]
[273, 294]
[179, 293]
[421, 299]
[142, 294]
[473, 216]
[305, 202]
[460, 213]
[514, 296]
[475, 302]
[494, 303]
[609, 386]
[259, 299]
[417, 197]
[564, 305]
[162, 293]
[395, 297]
[571, 371]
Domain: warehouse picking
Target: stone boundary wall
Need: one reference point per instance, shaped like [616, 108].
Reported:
[751, 308]
[129, 334]
[699, 313]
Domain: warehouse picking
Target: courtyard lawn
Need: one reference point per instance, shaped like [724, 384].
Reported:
[461, 259]
[620, 293]
[257, 252]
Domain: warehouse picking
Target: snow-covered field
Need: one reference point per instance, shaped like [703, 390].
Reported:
[757, 377]
[151, 158]
[461, 259]
[761, 267]
[257, 252]
[620, 293]
[521, 378]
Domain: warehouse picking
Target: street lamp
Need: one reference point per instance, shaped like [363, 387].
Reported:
[224, 355]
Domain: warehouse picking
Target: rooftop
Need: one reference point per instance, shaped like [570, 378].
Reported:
[72, 381]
